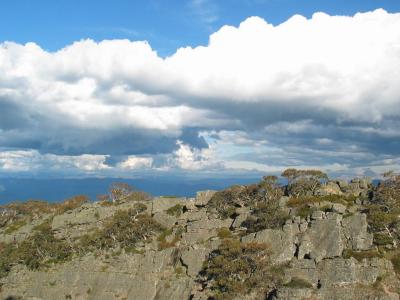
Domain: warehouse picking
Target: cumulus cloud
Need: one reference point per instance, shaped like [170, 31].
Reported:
[188, 158]
[32, 161]
[319, 91]
[133, 163]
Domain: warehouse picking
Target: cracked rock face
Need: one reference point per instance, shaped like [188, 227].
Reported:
[355, 232]
[309, 251]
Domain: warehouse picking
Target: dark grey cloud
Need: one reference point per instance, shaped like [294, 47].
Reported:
[297, 96]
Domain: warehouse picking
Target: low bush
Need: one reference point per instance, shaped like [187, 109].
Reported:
[31, 207]
[14, 226]
[125, 228]
[396, 263]
[39, 250]
[137, 196]
[162, 238]
[237, 268]
[175, 210]
[305, 211]
[382, 239]
[379, 218]
[360, 255]
[224, 233]
[71, 203]
[265, 215]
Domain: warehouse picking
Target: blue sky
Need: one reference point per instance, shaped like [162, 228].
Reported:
[167, 25]
[200, 88]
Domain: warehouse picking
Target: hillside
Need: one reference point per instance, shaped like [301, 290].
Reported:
[315, 238]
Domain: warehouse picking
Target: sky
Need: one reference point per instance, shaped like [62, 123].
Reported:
[199, 87]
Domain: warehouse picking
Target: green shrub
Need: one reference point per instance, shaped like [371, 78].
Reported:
[71, 203]
[14, 226]
[175, 210]
[236, 268]
[162, 242]
[226, 201]
[305, 211]
[379, 218]
[138, 196]
[125, 228]
[360, 255]
[31, 207]
[396, 263]
[224, 233]
[37, 251]
[382, 239]
[178, 271]
[265, 215]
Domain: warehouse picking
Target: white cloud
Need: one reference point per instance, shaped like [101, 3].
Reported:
[32, 160]
[188, 158]
[328, 81]
[133, 163]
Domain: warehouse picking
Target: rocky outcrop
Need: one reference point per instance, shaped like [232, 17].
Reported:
[325, 277]
[319, 254]
[355, 232]
[282, 242]
[140, 276]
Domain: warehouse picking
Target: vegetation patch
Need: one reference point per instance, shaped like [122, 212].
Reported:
[40, 250]
[162, 239]
[382, 239]
[71, 203]
[265, 215]
[175, 210]
[396, 263]
[224, 233]
[360, 255]
[125, 228]
[14, 226]
[237, 268]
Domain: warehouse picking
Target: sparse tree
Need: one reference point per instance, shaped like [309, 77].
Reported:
[120, 190]
[269, 185]
[303, 182]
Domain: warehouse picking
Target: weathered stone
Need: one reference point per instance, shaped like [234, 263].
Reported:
[322, 239]
[75, 217]
[317, 215]
[343, 184]
[293, 294]
[282, 242]
[239, 220]
[130, 277]
[307, 250]
[355, 232]
[191, 216]
[163, 203]
[330, 188]
[329, 274]
[165, 219]
[203, 197]
[283, 201]
[199, 236]
[193, 259]
[339, 208]
[208, 224]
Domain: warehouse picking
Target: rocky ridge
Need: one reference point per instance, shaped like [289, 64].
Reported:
[325, 248]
